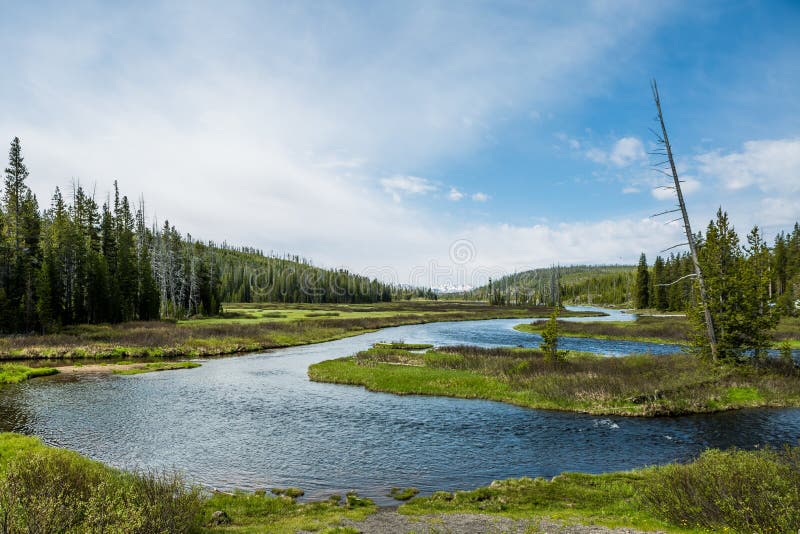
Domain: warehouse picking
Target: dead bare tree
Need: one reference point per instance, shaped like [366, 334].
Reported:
[663, 139]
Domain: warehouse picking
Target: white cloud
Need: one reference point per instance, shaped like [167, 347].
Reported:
[627, 151]
[399, 186]
[480, 197]
[271, 126]
[597, 155]
[630, 190]
[771, 165]
[455, 195]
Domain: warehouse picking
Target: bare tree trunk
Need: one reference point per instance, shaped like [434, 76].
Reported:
[712, 338]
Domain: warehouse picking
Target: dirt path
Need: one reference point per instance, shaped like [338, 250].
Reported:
[388, 521]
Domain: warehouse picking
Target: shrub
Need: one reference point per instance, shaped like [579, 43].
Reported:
[52, 490]
[755, 491]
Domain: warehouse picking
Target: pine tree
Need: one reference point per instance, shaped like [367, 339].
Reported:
[642, 297]
[659, 296]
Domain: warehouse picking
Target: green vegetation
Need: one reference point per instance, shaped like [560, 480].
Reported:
[13, 374]
[639, 385]
[77, 263]
[549, 344]
[737, 491]
[152, 367]
[403, 494]
[246, 328]
[258, 512]
[43, 489]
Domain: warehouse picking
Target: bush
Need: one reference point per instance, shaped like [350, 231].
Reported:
[755, 491]
[51, 490]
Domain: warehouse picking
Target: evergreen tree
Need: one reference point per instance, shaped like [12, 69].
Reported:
[737, 280]
[659, 295]
[642, 284]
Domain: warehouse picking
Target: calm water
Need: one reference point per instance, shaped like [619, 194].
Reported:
[257, 421]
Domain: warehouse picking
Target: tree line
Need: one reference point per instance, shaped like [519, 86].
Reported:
[81, 262]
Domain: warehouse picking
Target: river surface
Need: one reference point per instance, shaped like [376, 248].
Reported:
[256, 421]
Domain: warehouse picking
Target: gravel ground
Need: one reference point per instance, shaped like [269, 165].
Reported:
[388, 521]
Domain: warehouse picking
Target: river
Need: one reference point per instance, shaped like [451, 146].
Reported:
[256, 421]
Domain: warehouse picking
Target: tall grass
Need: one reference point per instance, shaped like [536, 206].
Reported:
[48, 490]
[13, 374]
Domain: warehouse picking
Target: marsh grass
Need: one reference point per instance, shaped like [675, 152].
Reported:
[245, 329]
[638, 385]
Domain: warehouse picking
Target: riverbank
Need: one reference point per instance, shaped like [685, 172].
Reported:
[248, 328]
[655, 329]
[637, 385]
[54, 487]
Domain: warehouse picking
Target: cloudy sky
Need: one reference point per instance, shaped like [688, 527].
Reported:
[420, 142]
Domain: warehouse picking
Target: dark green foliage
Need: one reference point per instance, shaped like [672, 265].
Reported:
[742, 491]
[642, 284]
[737, 282]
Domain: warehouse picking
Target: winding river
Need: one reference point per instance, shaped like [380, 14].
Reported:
[256, 421]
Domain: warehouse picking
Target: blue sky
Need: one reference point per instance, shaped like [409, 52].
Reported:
[388, 136]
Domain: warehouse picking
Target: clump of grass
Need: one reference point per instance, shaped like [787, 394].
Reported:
[13, 373]
[757, 491]
[153, 367]
[323, 314]
[403, 494]
[292, 492]
[400, 345]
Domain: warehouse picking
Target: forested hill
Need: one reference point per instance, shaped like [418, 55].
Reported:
[79, 262]
[578, 284]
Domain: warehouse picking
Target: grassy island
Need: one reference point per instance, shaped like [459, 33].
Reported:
[638, 385]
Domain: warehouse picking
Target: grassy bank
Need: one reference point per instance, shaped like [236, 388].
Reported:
[13, 373]
[731, 491]
[639, 385]
[245, 328]
[45, 489]
[654, 329]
